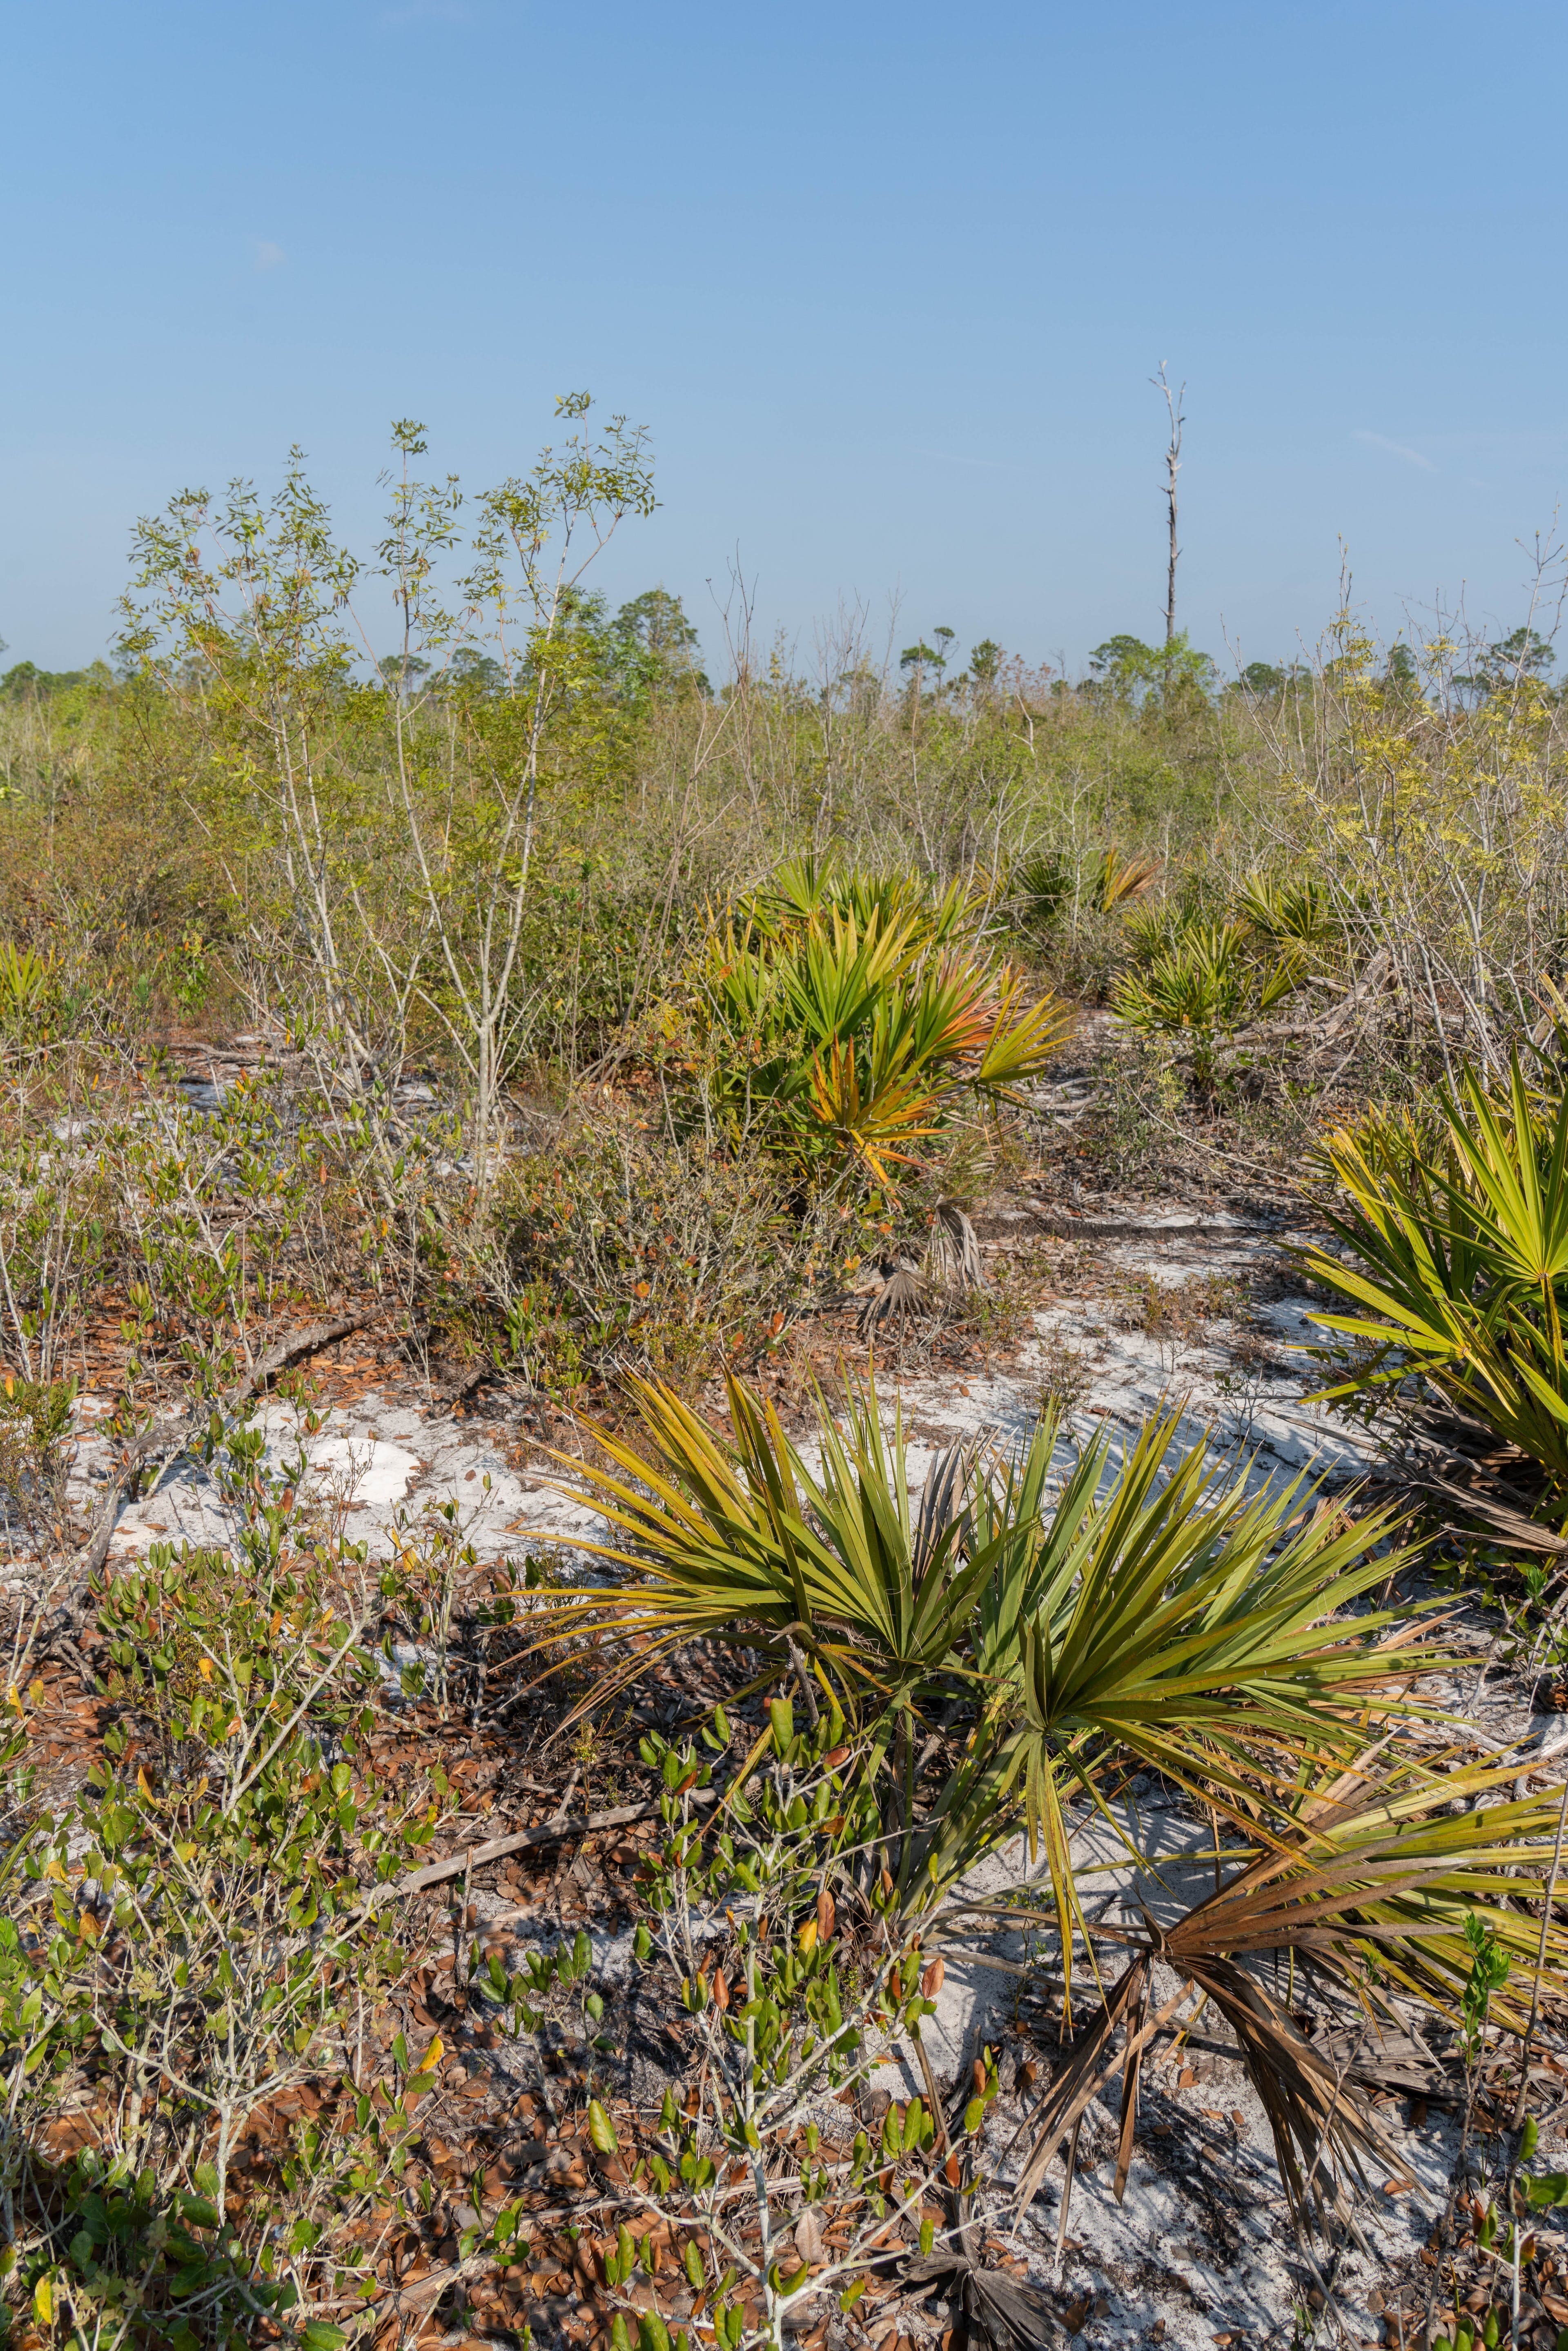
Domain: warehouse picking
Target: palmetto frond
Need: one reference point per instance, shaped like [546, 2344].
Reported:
[1373, 1877]
[1021, 1043]
[840, 975]
[1301, 911]
[1118, 881]
[1149, 1609]
[807, 889]
[1457, 1257]
[1203, 981]
[1372, 1880]
[1154, 1612]
[955, 1252]
[856, 1014]
[742, 1538]
[1173, 1618]
[1323, 2137]
[874, 1113]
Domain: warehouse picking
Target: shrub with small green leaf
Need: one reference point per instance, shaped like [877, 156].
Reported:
[199, 1932]
[796, 1994]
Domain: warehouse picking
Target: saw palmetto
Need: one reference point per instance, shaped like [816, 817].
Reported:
[742, 1541]
[1371, 1879]
[1454, 1254]
[1152, 1608]
[1163, 1613]
[850, 1018]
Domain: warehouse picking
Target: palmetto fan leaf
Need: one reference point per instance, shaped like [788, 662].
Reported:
[1151, 1609]
[841, 976]
[1021, 1042]
[1323, 2134]
[1199, 980]
[807, 889]
[1116, 880]
[1171, 1617]
[733, 1539]
[1301, 911]
[1458, 1257]
[874, 1106]
[1376, 1874]
[853, 1016]
[1371, 1880]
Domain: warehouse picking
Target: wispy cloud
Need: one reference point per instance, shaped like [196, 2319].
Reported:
[1396, 449]
[266, 254]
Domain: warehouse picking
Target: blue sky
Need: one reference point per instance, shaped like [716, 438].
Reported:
[885, 283]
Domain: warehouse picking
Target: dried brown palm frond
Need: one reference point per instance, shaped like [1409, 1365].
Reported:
[1373, 1881]
[1378, 1876]
[903, 1293]
[944, 1502]
[1472, 1477]
[1117, 880]
[954, 1257]
[1010, 2316]
[1090, 2063]
[1323, 2136]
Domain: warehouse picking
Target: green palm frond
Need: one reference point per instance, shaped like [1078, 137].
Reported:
[730, 1540]
[1175, 1619]
[1456, 1255]
[1021, 1043]
[1201, 984]
[1153, 1610]
[1040, 886]
[855, 1017]
[1301, 912]
[807, 889]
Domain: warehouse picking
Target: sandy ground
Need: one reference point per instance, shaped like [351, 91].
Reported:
[1200, 2248]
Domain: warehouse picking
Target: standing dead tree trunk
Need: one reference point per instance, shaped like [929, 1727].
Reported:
[1173, 401]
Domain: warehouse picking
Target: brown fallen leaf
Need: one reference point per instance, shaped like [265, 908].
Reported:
[809, 2237]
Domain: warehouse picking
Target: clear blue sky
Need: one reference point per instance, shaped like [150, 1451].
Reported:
[885, 283]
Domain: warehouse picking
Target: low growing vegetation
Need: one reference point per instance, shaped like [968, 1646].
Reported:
[605, 1038]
